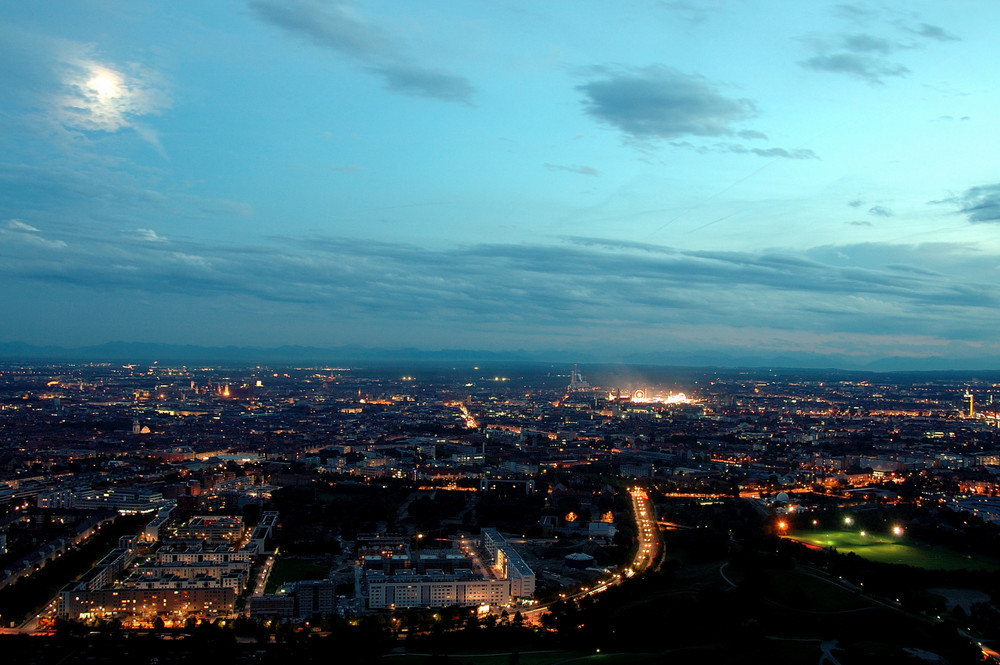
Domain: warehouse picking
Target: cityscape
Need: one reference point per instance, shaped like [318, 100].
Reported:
[433, 507]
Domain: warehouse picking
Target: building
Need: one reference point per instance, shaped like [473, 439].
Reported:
[463, 588]
[510, 564]
[131, 602]
[122, 500]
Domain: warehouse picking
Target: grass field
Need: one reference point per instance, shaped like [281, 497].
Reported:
[526, 658]
[292, 569]
[791, 651]
[807, 592]
[889, 549]
[695, 654]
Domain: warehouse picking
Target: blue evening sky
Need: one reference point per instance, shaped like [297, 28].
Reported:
[584, 176]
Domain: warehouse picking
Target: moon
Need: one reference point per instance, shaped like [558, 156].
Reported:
[104, 85]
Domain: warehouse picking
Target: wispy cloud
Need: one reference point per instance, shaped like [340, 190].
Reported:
[798, 153]
[107, 196]
[69, 91]
[691, 12]
[934, 32]
[582, 170]
[339, 27]
[18, 231]
[863, 55]
[870, 68]
[147, 235]
[598, 282]
[97, 96]
[18, 225]
[980, 204]
[423, 82]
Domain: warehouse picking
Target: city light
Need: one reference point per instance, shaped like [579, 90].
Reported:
[528, 445]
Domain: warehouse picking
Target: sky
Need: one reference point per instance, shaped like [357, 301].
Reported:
[593, 178]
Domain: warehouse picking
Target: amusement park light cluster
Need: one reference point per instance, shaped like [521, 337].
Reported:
[640, 397]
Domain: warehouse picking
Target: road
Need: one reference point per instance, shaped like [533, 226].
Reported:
[647, 550]
[648, 532]
[265, 574]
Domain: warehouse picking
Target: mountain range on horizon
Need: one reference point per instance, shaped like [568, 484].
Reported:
[152, 351]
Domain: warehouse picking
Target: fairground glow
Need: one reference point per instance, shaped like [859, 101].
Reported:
[641, 397]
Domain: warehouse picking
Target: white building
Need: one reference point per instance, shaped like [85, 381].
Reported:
[512, 567]
[463, 588]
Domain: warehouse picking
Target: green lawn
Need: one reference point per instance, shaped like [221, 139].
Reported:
[294, 569]
[493, 658]
[806, 592]
[679, 656]
[889, 549]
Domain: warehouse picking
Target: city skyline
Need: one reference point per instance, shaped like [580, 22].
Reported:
[809, 182]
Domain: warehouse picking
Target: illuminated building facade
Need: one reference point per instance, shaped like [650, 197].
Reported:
[463, 588]
[132, 602]
[510, 564]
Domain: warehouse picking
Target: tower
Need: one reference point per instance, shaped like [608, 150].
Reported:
[969, 400]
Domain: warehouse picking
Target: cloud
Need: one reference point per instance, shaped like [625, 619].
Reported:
[98, 97]
[860, 223]
[771, 153]
[582, 170]
[855, 203]
[868, 56]
[329, 24]
[800, 153]
[147, 235]
[18, 225]
[21, 232]
[980, 204]
[573, 288]
[658, 102]
[854, 12]
[934, 32]
[65, 90]
[866, 67]
[420, 82]
[880, 211]
[691, 12]
[340, 28]
[862, 43]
